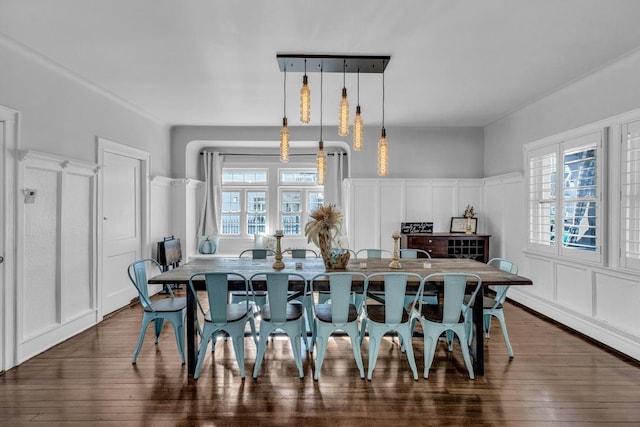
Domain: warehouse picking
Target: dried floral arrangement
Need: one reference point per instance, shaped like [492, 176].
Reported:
[323, 229]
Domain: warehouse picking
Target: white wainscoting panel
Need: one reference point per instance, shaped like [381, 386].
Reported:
[419, 197]
[617, 301]
[40, 288]
[392, 208]
[56, 280]
[574, 288]
[77, 277]
[378, 206]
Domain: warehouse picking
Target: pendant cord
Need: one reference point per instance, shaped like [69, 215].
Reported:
[383, 94]
[358, 90]
[285, 91]
[320, 102]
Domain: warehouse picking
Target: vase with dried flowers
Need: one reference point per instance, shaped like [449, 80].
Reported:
[324, 229]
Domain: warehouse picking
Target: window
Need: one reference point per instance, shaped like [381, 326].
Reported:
[630, 196]
[296, 206]
[249, 194]
[566, 222]
[297, 202]
[244, 201]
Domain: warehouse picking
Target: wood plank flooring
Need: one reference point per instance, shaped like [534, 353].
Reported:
[556, 378]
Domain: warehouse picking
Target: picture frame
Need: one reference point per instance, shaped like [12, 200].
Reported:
[459, 225]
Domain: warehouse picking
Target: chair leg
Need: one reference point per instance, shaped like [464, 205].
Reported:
[265, 331]
[178, 328]
[430, 342]
[159, 322]
[296, 345]
[238, 347]
[486, 320]
[503, 324]
[321, 348]
[355, 346]
[374, 347]
[465, 353]
[254, 334]
[143, 327]
[405, 337]
[202, 351]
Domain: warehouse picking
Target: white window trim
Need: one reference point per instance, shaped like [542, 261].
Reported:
[559, 144]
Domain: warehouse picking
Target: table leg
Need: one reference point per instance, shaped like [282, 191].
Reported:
[478, 333]
[191, 333]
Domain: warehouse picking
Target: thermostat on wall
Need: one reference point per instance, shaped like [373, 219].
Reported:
[30, 195]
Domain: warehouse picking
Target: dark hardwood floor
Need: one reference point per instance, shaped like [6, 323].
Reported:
[556, 378]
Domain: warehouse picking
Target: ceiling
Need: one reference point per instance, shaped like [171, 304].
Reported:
[213, 62]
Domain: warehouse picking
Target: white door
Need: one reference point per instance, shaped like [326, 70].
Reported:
[8, 144]
[122, 181]
[2, 248]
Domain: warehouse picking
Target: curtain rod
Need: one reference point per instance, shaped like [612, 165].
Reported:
[271, 155]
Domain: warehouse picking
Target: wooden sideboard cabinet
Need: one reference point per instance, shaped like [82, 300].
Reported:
[450, 245]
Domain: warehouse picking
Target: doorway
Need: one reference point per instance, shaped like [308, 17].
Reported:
[123, 206]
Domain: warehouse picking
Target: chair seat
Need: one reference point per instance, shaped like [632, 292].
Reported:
[167, 305]
[235, 312]
[434, 313]
[323, 313]
[487, 302]
[295, 310]
[376, 314]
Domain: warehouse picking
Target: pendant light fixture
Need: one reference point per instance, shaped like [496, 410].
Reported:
[305, 98]
[321, 158]
[357, 123]
[284, 132]
[343, 128]
[383, 149]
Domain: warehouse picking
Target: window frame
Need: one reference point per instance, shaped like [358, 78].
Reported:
[625, 260]
[305, 188]
[244, 188]
[559, 147]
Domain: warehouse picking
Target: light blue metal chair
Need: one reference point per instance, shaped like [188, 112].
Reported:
[172, 309]
[221, 315]
[448, 317]
[389, 315]
[302, 253]
[259, 297]
[414, 253]
[257, 253]
[373, 254]
[280, 314]
[493, 307]
[429, 297]
[339, 314]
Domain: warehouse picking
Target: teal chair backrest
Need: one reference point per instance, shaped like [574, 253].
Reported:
[340, 287]
[277, 292]
[137, 272]
[395, 289]
[217, 288]
[373, 253]
[504, 265]
[455, 285]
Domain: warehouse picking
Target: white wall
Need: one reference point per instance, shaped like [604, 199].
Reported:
[597, 300]
[61, 116]
[606, 93]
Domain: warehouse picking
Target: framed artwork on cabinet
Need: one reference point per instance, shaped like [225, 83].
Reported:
[459, 225]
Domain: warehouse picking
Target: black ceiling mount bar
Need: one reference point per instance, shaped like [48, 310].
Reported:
[332, 63]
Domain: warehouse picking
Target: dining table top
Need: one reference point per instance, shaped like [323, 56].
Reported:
[312, 267]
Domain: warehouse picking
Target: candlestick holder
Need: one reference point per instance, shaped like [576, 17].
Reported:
[395, 263]
[278, 264]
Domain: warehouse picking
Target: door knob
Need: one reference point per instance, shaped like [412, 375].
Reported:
[1, 259]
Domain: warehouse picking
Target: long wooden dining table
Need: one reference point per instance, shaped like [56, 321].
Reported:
[311, 267]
